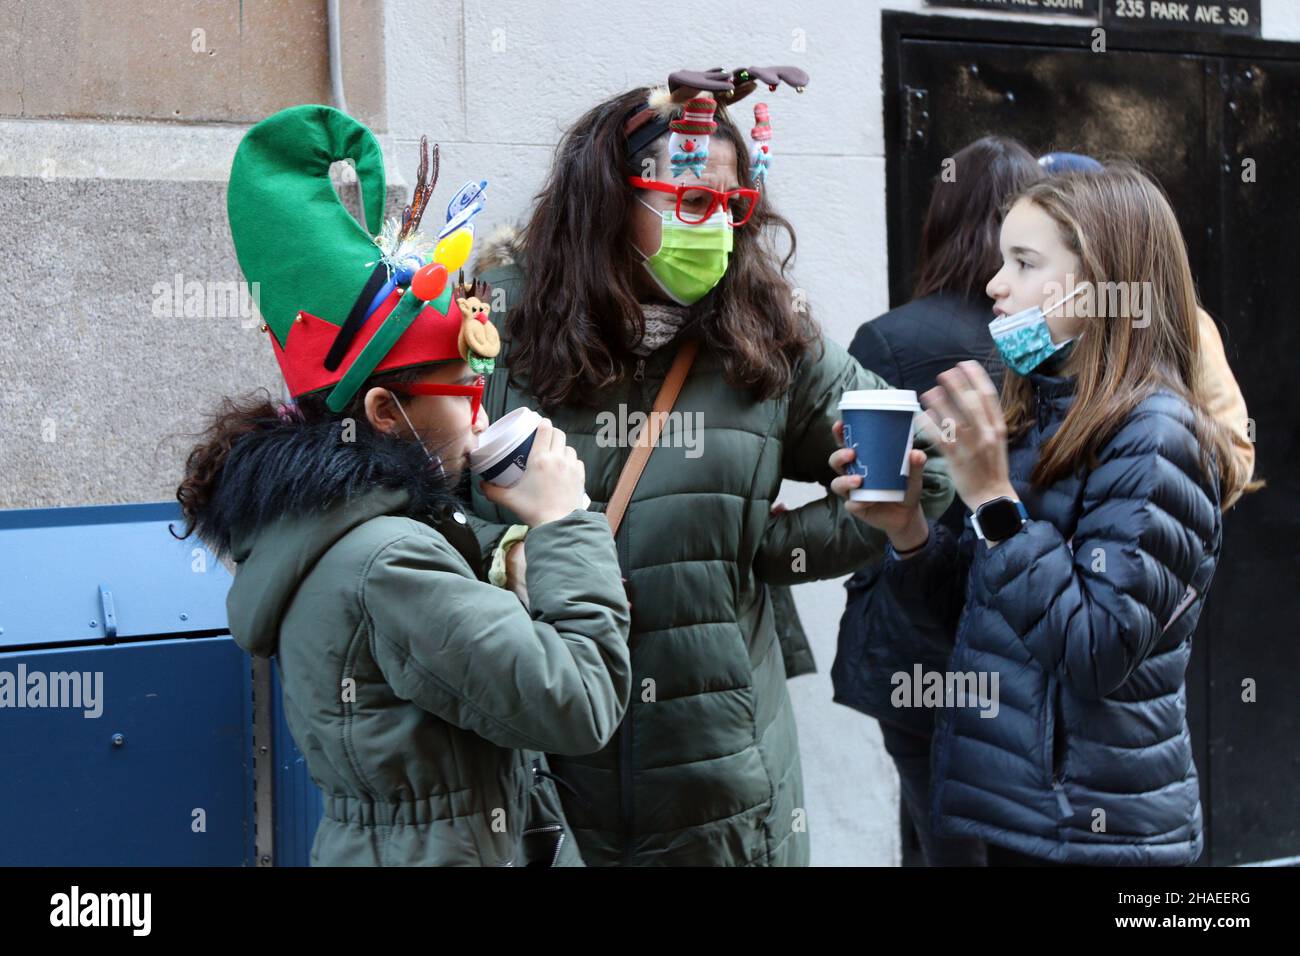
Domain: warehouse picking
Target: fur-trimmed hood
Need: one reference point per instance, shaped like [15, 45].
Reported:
[292, 468]
[288, 492]
[503, 248]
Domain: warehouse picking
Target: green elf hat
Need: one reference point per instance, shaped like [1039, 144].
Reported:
[340, 301]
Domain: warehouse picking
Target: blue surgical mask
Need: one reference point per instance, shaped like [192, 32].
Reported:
[1025, 339]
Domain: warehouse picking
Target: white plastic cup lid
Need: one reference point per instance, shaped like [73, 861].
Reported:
[502, 437]
[879, 398]
[885, 399]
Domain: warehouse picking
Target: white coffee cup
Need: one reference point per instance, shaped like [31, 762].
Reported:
[503, 449]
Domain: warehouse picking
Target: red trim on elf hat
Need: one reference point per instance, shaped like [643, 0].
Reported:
[432, 337]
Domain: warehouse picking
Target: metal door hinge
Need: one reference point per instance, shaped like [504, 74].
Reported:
[916, 117]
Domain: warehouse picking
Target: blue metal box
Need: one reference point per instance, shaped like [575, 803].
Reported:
[127, 712]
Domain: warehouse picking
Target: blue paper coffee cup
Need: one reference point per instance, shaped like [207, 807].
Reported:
[878, 426]
[503, 449]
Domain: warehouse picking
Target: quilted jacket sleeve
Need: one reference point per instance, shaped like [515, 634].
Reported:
[832, 542]
[1093, 612]
[930, 586]
[557, 680]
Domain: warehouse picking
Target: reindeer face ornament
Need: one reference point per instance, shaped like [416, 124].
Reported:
[478, 340]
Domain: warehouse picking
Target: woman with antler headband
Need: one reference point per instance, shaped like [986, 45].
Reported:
[650, 254]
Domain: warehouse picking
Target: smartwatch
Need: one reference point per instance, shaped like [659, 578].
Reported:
[998, 519]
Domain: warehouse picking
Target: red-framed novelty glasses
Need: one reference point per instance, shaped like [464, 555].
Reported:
[695, 204]
[473, 392]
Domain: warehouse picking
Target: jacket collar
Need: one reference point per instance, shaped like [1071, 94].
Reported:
[1052, 387]
[283, 469]
[275, 558]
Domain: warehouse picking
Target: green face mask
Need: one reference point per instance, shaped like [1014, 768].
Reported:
[691, 259]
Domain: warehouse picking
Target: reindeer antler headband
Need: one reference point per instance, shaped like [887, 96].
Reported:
[695, 95]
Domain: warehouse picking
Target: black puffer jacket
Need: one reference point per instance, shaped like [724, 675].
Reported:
[909, 347]
[1085, 619]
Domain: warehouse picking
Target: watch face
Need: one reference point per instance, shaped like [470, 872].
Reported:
[999, 519]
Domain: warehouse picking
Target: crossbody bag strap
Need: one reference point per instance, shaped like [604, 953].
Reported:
[649, 436]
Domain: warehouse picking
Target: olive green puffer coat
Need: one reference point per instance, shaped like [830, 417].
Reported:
[422, 697]
[705, 768]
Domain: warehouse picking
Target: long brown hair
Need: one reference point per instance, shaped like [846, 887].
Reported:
[1120, 225]
[578, 314]
[959, 237]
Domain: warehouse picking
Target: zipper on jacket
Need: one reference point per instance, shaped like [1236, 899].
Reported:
[639, 374]
[1062, 801]
[559, 840]
[625, 729]
[1039, 410]
[625, 781]
[1058, 748]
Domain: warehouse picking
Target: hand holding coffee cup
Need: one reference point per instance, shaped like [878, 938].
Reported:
[881, 472]
[539, 478]
[903, 521]
[878, 425]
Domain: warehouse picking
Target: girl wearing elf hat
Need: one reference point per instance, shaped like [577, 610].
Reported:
[650, 244]
[421, 695]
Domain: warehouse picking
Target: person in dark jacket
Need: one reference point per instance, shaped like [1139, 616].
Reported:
[1095, 485]
[945, 323]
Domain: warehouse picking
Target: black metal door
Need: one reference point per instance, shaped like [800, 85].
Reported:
[1189, 116]
[1254, 612]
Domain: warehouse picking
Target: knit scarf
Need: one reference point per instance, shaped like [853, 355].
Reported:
[662, 323]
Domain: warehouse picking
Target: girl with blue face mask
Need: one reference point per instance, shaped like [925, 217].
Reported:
[1036, 292]
[946, 320]
[1093, 484]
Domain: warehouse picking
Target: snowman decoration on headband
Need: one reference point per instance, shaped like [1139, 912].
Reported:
[688, 146]
[760, 153]
[688, 107]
